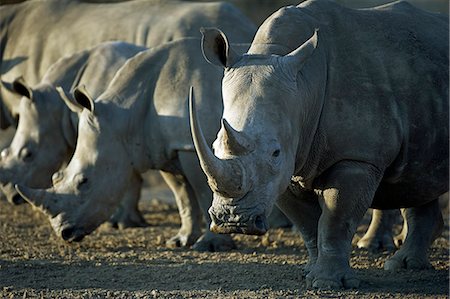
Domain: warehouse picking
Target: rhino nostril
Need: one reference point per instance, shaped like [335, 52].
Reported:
[67, 233]
[260, 223]
[17, 199]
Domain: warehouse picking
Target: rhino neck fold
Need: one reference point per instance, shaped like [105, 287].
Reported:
[312, 84]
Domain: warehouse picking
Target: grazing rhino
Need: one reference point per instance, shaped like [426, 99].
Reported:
[35, 34]
[139, 122]
[355, 116]
[46, 134]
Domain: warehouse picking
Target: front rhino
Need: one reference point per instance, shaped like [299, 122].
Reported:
[325, 153]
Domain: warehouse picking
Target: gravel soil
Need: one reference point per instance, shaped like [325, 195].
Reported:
[135, 263]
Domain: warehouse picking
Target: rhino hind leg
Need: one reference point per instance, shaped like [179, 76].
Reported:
[190, 229]
[203, 197]
[425, 224]
[302, 208]
[127, 214]
[379, 235]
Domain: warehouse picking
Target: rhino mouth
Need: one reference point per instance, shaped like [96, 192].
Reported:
[256, 225]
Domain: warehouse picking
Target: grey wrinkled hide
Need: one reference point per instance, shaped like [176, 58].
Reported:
[34, 34]
[140, 122]
[47, 129]
[330, 123]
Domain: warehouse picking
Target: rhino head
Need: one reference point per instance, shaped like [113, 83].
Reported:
[85, 193]
[256, 147]
[42, 142]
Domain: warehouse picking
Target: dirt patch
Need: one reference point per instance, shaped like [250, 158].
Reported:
[134, 263]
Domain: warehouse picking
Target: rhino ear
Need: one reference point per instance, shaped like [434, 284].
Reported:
[295, 60]
[216, 48]
[21, 87]
[83, 98]
[71, 103]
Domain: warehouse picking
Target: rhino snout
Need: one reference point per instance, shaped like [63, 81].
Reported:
[72, 234]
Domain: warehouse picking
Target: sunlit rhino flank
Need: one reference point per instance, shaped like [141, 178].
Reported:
[35, 34]
[139, 122]
[332, 111]
[46, 135]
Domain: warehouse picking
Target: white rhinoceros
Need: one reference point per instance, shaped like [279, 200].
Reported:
[139, 122]
[46, 134]
[34, 34]
[329, 125]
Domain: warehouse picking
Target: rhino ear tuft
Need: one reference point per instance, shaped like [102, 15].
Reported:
[296, 59]
[71, 103]
[83, 98]
[216, 48]
[21, 87]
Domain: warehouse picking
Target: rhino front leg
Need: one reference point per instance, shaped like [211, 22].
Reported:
[208, 241]
[128, 214]
[345, 193]
[303, 209]
[425, 224]
[379, 234]
[188, 209]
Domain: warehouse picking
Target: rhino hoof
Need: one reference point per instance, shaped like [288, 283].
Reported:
[327, 284]
[399, 261]
[128, 221]
[376, 244]
[214, 243]
[182, 240]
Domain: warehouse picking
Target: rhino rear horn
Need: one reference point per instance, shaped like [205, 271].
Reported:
[216, 48]
[38, 198]
[226, 177]
[236, 142]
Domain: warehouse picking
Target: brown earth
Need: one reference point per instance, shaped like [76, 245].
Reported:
[134, 263]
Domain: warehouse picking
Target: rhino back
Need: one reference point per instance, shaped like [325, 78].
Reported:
[148, 98]
[36, 33]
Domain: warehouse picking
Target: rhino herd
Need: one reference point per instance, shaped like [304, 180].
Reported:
[323, 111]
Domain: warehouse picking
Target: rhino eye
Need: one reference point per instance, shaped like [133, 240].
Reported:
[82, 181]
[276, 153]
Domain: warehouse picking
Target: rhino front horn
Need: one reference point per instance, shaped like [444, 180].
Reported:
[38, 198]
[224, 176]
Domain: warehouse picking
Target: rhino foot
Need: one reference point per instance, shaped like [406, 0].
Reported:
[210, 242]
[403, 260]
[127, 219]
[183, 239]
[376, 243]
[331, 274]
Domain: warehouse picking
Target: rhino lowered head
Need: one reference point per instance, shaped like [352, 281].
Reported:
[87, 192]
[41, 143]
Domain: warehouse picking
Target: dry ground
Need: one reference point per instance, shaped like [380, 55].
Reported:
[134, 263]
